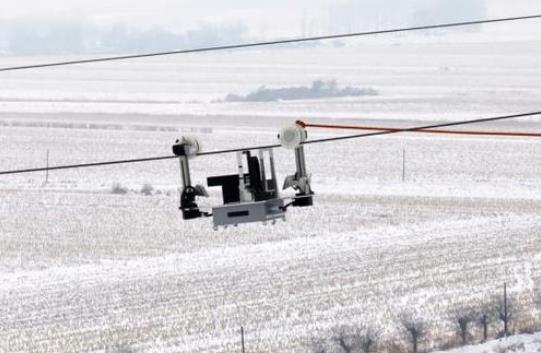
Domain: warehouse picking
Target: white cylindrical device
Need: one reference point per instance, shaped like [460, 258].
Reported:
[292, 136]
[192, 146]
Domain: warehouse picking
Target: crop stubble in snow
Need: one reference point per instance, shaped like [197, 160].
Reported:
[96, 279]
[82, 269]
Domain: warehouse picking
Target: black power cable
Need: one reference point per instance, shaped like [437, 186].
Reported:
[270, 43]
[88, 165]
[331, 139]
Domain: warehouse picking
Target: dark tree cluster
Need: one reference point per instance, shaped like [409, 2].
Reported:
[493, 318]
[318, 89]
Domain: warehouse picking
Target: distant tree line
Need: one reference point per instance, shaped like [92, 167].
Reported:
[496, 317]
[361, 15]
[318, 89]
[54, 37]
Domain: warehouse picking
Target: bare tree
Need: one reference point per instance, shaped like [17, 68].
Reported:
[537, 300]
[507, 310]
[367, 339]
[464, 317]
[414, 329]
[344, 338]
[319, 346]
[348, 339]
[485, 316]
[537, 306]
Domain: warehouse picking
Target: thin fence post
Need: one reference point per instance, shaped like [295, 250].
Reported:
[242, 339]
[505, 328]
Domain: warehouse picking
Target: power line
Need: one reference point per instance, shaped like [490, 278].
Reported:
[435, 126]
[234, 150]
[426, 131]
[88, 165]
[271, 43]
[332, 139]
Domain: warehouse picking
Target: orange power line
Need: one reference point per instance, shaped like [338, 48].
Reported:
[425, 131]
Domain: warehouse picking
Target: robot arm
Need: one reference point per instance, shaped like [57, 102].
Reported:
[186, 148]
[293, 137]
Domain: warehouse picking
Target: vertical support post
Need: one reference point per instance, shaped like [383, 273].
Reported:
[185, 172]
[300, 161]
[262, 170]
[403, 165]
[242, 184]
[304, 196]
[505, 313]
[273, 174]
[240, 168]
[242, 339]
[185, 148]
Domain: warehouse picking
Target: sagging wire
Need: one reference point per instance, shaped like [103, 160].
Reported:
[323, 140]
[269, 43]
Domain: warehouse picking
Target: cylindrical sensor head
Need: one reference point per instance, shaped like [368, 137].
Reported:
[187, 146]
[292, 136]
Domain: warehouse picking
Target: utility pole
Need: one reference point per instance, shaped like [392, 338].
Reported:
[505, 329]
[242, 339]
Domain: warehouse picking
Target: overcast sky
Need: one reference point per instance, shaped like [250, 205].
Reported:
[271, 17]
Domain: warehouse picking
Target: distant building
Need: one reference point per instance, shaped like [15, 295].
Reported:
[364, 15]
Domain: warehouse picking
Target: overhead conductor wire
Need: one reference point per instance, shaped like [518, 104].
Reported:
[270, 43]
[425, 131]
[322, 140]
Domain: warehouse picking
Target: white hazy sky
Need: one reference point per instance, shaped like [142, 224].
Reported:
[263, 16]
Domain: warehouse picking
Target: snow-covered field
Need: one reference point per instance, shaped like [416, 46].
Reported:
[518, 344]
[82, 269]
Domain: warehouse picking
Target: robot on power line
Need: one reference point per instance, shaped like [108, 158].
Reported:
[252, 194]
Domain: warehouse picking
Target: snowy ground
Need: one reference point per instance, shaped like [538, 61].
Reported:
[83, 269]
[517, 344]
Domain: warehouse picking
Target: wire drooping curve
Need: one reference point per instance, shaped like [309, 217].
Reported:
[323, 140]
[271, 43]
[426, 131]
[259, 44]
